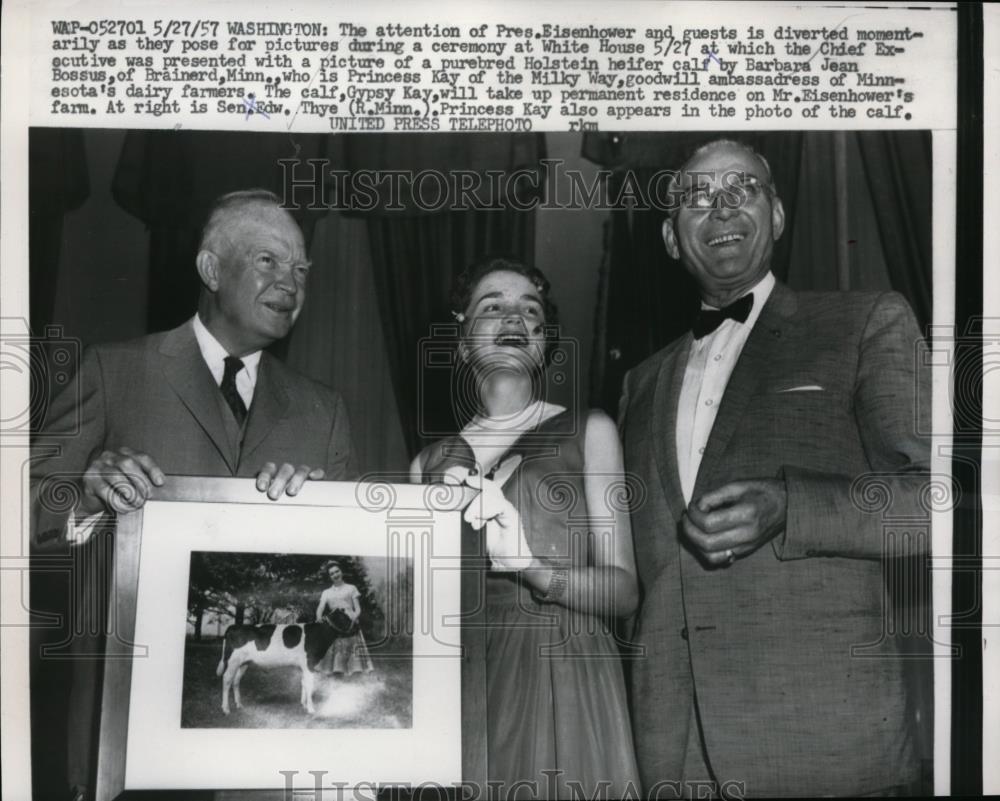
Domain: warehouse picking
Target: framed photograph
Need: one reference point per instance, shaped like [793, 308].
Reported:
[266, 645]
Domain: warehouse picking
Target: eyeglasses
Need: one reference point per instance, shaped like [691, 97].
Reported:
[733, 194]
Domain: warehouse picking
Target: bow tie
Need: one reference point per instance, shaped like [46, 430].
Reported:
[710, 319]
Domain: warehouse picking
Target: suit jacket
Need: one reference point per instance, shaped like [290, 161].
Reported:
[156, 394]
[825, 391]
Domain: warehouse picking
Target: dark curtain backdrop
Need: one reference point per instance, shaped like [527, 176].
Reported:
[646, 299]
[167, 179]
[416, 254]
[898, 166]
[58, 182]
[339, 340]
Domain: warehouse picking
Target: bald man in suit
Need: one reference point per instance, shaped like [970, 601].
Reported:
[203, 399]
[760, 570]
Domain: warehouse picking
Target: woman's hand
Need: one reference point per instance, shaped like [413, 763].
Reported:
[505, 541]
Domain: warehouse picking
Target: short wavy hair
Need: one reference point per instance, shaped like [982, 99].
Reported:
[465, 285]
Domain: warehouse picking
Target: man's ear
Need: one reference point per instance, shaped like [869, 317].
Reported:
[208, 269]
[670, 238]
[777, 218]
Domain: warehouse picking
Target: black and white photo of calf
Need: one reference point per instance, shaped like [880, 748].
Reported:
[298, 641]
[302, 646]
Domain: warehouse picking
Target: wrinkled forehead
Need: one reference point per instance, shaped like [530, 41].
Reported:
[711, 167]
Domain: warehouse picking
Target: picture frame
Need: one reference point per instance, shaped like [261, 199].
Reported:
[158, 548]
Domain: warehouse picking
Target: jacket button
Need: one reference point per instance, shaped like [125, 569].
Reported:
[684, 633]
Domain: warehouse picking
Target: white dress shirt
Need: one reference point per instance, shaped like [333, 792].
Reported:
[215, 357]
[710, 364]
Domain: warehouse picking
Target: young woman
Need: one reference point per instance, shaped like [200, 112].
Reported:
[559, 542]
[348, 654]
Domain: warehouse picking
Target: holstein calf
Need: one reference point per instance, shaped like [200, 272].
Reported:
[298, 645]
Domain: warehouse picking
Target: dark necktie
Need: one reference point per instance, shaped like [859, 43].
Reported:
[228, 387]
[710, 319]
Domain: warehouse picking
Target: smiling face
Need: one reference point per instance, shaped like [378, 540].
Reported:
[254, 269]
[335, 574]
[727, 250]
[505, 323]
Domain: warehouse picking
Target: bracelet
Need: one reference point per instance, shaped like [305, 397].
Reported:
[556, 588]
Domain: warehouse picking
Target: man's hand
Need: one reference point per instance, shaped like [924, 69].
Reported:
[118, 481]
[734, 520]
[505, 541]
[286, 479]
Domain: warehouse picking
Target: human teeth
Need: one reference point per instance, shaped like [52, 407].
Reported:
[721, 240]
[511, 339]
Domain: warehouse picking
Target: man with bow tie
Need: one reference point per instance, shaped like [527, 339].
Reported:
[759, 567]
[204, 399]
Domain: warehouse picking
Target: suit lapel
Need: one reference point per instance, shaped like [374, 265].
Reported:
[770, 332]
[270, 402]
[665, 401]
[192, 381]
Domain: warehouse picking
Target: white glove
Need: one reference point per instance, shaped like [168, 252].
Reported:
[505, 541]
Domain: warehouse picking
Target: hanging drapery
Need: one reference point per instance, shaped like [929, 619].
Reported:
[338, 339]
[58, 182]
[898, 166]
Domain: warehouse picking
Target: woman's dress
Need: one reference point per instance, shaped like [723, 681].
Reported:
[348, 654]
[556, 703]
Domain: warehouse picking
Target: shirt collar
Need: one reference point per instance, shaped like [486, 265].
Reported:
[215, 355]
[761, 292]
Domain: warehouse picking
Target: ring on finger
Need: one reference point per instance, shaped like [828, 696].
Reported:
[730, 556]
